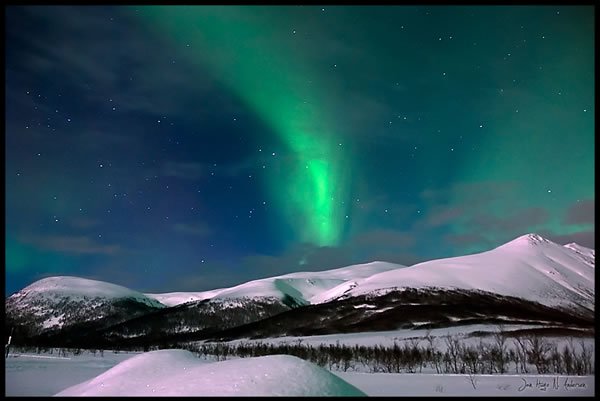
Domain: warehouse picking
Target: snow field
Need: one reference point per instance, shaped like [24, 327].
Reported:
[177, 372]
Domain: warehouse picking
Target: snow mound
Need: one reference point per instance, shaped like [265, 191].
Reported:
[180, 373]
[60, 287]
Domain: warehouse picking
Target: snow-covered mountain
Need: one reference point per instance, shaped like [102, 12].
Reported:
[54, 302]
[505, 283]
[586, 254]
[529, 267]
[299, 288]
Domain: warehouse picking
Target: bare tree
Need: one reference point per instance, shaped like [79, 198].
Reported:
[537, 351]
[499, 350]
[481, 355]
[432, 351]
[521, 353]
[568, 360]
[470, 358]
[472, 378]
[586, 357]
[555, 359]
[453, 352]
[416, 356]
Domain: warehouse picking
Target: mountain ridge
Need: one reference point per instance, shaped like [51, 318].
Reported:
[530, 268]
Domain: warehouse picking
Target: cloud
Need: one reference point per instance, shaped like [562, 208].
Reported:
[517, 222]
[441, 216]
[480, 237]
[203, 277]
[97, 138]
[477, 216]
[121, 271]
[471, 194]
[298, 258]
[243, 166]
[380, 244]
[184, 170]
[384, 238]
[135, 74]
[197, 170]
[71, 244]
[584, 238]
[581, 212]
[465, 240]
[84, 222]
[199, 229]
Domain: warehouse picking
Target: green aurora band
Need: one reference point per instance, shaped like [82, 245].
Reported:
[245, 52]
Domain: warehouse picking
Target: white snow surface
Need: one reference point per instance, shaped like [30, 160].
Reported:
[59, 287]
[529, 267]
[177, 298]
[180, 373]
[588, 255]
[304, 287]
[389, 337]
[47, 375]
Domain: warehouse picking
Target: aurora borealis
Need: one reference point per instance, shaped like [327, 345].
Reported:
[271, 80]
[172, 148]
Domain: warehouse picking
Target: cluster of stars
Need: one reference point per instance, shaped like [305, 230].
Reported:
[145, 140]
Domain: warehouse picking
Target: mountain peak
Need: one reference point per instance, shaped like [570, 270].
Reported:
[534, 238]
[58, 287]
[576, 246]
[531, 239]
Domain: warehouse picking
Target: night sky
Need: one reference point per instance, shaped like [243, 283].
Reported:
[187, 148]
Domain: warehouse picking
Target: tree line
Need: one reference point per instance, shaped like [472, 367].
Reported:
[528, 354]
[525, 354]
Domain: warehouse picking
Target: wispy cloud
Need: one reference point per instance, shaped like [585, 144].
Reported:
[584, 238]
[71, 244]
[184, 170]
[441, 216]
[199, 229]
[102, 70]
[191, 170]
[385, 238]
[472, 193]
[582, 212]
[84, 222]
[512, 223]
[465, 239]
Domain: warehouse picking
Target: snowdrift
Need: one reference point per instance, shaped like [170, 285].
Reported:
[180, 373]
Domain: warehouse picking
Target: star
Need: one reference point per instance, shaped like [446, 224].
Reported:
[288, 99]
